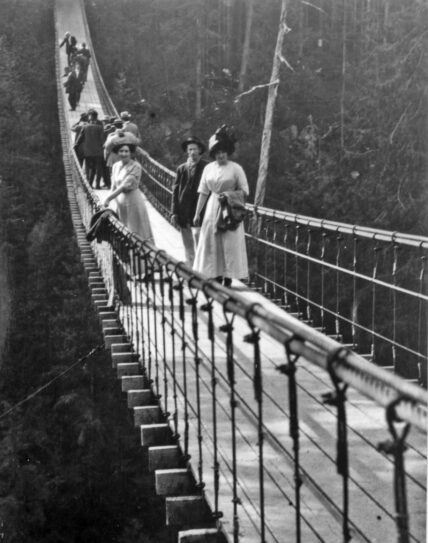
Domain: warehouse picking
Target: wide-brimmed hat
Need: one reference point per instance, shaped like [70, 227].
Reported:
[222, 140]
[193, 139]
[125, 115]
[124, 138]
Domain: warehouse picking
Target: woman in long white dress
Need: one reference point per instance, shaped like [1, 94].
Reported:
[125, 181]
[220, 254]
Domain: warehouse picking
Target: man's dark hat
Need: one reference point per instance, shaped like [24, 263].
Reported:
[193, 139]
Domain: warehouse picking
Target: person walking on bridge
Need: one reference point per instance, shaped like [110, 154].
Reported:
[92, 139]
[125, 190]
[128, 126]
[83, 57]
[221, 253]
[72, 87]
[185, 195]
[70, 46]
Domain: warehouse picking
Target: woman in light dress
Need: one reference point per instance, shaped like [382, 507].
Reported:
[131, 208]
[220, 254]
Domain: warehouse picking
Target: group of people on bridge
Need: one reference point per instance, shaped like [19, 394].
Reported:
[208, 198]
[207, 205]
[76, 71]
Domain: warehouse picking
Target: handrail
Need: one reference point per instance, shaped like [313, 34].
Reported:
[369, 379]
[411, 240]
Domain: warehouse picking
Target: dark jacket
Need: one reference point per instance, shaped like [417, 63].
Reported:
[91, 139]
[70, 44]
[72, 84]
[185, 193]
[99, 229]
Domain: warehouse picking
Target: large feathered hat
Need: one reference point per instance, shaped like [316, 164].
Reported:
[223, 140]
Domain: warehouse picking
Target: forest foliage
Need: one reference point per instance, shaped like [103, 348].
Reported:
[350, 128]
[71, 468]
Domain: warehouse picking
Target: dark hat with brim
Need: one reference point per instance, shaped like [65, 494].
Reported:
[193, 139]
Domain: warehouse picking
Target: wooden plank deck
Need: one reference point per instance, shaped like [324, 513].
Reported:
[371, 494]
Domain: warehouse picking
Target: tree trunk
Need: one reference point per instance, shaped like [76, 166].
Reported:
[199, 57]
[270, 107]
[343, 86]
[246, 47]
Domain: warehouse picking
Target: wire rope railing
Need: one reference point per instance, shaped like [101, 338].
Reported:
[178, 304]
[365, 286]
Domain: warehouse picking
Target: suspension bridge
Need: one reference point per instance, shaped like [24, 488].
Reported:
[292, 408]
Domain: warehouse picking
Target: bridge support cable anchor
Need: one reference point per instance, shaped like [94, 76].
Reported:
[193, 302]
[139, 268]
[171, 275]
[254, 339]
[180, 288]
[208, 308]
[289, 369]
[145, 280]
[337, 398]
[162, 279]
[152, 284]
[397, 447]
[421, 331]
[227, 328]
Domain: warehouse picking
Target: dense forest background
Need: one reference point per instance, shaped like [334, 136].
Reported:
[71, 466]
[350, 127]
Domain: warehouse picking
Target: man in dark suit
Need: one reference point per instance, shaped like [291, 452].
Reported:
[185, 195]
[70, 46]
[72, 88]
[92, 138]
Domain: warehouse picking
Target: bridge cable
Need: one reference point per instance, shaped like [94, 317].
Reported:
[254, 339]
[397, 448]
[46, 385]
[227, 328]
[338, 398]
[289, 369]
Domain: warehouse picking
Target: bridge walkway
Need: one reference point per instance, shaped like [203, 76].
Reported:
[371, 508]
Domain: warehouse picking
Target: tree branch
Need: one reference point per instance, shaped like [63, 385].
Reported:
[239, 96]
[285, 61]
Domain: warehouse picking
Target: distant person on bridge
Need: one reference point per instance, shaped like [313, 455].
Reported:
[91, 138]
[82, 58]
[70, 46]
[128, 126]
[221, 254]
[72, 87]
[131, 208]
[185, 195]
[77, 128]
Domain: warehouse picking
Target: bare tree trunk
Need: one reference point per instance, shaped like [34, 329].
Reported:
[301, 27]
[229, 32]
[246, 47]
[343, 87]
[199, 57]
[270, 108]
